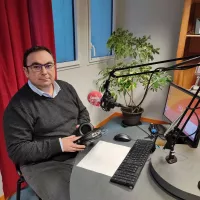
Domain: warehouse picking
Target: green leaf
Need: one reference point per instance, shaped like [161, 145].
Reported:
[130, 50]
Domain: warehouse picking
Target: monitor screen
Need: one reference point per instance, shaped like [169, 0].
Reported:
[177, 101]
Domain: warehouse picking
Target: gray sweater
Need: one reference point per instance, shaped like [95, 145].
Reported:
[34, 123]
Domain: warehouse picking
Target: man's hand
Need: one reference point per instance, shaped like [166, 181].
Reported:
[70, 146]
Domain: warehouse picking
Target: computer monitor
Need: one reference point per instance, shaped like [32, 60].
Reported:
[177, 100]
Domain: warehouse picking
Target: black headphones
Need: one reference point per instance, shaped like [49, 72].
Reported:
[88, 134]
[84, 128]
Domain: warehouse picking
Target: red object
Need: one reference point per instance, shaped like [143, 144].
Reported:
[15, 37]
[41, 22]
[94, 98]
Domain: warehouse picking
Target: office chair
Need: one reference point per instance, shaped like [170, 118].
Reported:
[19, 182]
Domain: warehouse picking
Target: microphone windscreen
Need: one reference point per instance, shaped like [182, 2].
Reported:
[94, 98]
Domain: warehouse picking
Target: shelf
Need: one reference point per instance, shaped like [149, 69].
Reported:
[190, 35]
[196, 1]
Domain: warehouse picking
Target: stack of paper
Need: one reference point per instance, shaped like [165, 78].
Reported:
[104, 158]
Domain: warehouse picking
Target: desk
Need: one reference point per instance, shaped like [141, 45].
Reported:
[89, 185]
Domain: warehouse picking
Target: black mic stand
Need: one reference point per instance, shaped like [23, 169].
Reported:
[108, 102]
[174, 135]
[171, 138]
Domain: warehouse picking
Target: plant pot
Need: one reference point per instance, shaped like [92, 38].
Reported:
[131, 118]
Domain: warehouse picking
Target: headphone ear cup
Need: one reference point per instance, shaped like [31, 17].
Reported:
[85, 128]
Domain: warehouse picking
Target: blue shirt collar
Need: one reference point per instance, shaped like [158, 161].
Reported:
[41, 93]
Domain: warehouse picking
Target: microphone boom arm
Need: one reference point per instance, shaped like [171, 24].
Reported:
[108, 102]
[188, 59]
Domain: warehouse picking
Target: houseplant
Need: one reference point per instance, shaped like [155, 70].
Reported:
[129, 50]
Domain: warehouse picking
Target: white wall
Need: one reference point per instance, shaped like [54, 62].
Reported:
[159, 18]
[83, 77]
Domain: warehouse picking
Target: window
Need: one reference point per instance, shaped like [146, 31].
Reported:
[64, 31]
[101, 27]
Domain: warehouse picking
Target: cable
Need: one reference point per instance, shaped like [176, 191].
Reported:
[193, 108]
[151, 136]
[145, 132]
[161, 136]
[158, 70]
[146, 91]
[149, 81]
[147, 88]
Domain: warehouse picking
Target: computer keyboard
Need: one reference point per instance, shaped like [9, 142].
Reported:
[132, 165]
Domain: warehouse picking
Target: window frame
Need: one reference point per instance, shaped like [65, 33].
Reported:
[75, 63]
[105, 58]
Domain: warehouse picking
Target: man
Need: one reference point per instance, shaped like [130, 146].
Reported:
[39, 123]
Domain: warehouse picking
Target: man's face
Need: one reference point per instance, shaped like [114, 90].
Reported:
[40, 76]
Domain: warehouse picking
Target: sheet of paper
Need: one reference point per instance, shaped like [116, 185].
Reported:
[104, 158]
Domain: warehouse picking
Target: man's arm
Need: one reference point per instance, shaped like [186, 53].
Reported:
[83, 112]
[21, 146]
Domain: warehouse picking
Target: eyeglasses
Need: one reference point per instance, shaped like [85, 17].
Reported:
[38, 67]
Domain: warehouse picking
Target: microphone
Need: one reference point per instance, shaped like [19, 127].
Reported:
[106, 101]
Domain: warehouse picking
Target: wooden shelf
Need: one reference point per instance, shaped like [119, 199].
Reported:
[192, 35]
[196, 1]
[189, 43]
